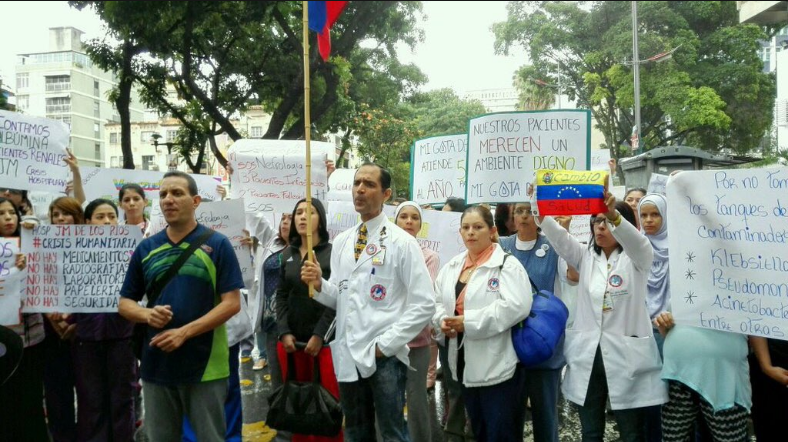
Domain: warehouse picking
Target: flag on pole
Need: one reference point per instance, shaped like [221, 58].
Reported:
[570, 192]
[322, 16]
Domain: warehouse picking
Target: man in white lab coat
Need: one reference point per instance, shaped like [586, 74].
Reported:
[383, 296]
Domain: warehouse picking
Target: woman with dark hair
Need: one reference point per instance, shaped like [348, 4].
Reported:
[20, 396]
[131, 198]
[504, 219]
[59, 377]
[632, 198]
[301, 319]
[454, 204]
[609, 349]
[479, 298]
[104, 362]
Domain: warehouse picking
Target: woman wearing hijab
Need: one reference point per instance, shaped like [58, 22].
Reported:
[409, 217]
[721, 401]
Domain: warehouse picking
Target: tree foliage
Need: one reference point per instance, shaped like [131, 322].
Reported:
[221, 57]
[3, 100]
[711, 94]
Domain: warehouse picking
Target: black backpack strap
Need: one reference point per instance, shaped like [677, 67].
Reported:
[158, 285]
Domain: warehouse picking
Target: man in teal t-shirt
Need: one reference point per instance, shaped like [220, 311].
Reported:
[185, 358]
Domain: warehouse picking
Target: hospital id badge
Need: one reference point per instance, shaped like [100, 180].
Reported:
[379, 257]
[607, 303]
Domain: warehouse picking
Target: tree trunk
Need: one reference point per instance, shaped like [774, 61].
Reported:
[123, 102]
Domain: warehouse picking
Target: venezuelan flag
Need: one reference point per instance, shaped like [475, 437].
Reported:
[570, 192]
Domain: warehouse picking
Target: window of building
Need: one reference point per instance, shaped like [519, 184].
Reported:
[113, 138]
[64, 118]
[172, 135]
[59, 105]
[22, 80]
[257, 132]
[147, 162]
[96, 108]
[146, 137]
[96, 130]
[97, 151]
[114, 162]
[96, 90]
[23, 102]
[57, 83]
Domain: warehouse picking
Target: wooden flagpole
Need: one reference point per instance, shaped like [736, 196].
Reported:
[307, 138]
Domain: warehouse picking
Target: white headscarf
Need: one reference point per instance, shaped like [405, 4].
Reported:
[657, 299]
[408, 204]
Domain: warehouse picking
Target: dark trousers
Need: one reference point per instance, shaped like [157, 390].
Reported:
[105, 378]
[21, 400]
[542, 388]
[631, 422]
[381, 398]
[59, 385]
[455, 423]
[769, 405]
[497, 412]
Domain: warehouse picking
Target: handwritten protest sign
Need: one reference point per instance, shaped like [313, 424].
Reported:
[439, 230]
[226, 217]
[504, 151]
[76, 268]
[580, 228]
[437, 168]
[340, 185]
[657, 183]
[599, 160]
[728, 236]
[32, 150]
[570, 192]
[10, 278]
[105, 183]
[270, 175]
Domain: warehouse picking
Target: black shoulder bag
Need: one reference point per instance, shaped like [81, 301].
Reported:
[141, 328]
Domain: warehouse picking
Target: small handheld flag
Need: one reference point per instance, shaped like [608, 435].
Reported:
[322, 16]
[570, 192]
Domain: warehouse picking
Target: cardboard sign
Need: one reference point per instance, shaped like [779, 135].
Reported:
[106, 183]
[728, 236]
[505, 150]
[76, 268]
[440, 231]
[32, 150]
[270, 175]
[226, 217]
[437, 168]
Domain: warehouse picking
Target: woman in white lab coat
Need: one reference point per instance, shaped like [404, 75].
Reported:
[610, 350]
[480, 295]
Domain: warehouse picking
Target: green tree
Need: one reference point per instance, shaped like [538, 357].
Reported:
[3, 100]
[442, 112]
[533, 93]
[223, 56]
[711, 93]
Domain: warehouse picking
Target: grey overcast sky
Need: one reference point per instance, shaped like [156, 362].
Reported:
[457, 51]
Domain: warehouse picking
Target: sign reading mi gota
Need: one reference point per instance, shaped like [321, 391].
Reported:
[76, 268]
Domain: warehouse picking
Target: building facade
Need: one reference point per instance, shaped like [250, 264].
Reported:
[63, 84]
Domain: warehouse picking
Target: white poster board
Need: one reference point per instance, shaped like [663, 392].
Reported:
[32, 150]
[600, 159]
[657, 183]
[440, 231]
[437, 168]
[270, 175]
[505, 149]
[580, 228]
[76, 268]
[728, 236]
[340, 185]
[10, 279]
[105, 183]
[226, 217]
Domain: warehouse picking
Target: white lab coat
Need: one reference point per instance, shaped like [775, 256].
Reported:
[385, 305]
[624, 334]
[491, 309]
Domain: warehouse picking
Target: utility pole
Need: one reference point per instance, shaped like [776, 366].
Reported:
[636, 65]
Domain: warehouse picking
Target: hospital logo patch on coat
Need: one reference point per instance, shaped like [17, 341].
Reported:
[493, 284]
[378, 292]
[615, 281]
